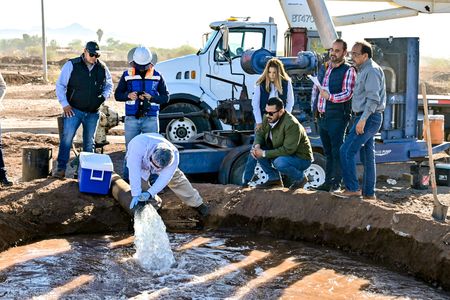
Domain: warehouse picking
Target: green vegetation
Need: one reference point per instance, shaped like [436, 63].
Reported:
[112, 50]
[439, 63]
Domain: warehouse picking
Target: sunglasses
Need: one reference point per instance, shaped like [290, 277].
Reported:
[94, 54]
[271, 113]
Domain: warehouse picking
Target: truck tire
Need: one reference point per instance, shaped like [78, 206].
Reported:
[233, 165]
[316, 172]
[183, 129]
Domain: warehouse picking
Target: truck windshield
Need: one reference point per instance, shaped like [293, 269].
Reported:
[211, 37]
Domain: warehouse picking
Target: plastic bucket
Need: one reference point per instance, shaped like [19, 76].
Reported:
[420, 177]
[436, 129]
[36, 162]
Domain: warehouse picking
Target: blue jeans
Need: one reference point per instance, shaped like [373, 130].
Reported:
[71, 125]
[292, 166]
[332, 131]
[134, 127]
[249, 170]
[365, 144]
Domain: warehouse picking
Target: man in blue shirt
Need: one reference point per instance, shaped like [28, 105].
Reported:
[83, 85]
[368, 104]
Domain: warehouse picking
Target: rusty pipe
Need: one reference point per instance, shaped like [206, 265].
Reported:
[121, 191]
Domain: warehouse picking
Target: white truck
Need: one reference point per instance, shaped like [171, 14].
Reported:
[197, 82]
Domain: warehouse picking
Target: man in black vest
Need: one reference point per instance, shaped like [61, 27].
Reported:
[332, 106]
[83, 85]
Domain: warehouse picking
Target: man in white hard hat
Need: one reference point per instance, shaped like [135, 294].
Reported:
[142, 89]
[151, 154]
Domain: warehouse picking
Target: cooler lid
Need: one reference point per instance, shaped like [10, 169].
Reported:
[95, 161]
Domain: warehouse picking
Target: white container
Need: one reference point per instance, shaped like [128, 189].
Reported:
[95, 173]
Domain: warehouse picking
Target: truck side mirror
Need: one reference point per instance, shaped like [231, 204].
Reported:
[225, 34]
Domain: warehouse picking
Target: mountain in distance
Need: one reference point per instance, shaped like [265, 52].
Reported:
[62, 35]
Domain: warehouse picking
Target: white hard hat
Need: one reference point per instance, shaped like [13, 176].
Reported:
[130, 55]
[142, 56]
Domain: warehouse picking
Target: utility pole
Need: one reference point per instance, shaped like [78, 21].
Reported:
[44, 48]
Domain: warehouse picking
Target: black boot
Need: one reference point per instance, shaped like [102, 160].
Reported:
[202, 209]
[5, 182]
[325, 187]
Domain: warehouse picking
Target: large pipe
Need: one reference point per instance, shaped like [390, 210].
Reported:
[121, 191]
[323, 21]
[393, 89]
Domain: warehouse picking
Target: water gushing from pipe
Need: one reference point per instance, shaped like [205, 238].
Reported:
[152, 245]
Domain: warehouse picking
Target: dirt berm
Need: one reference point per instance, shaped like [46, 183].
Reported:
[415, 242]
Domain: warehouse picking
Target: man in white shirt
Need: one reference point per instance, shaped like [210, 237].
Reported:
[151, 154]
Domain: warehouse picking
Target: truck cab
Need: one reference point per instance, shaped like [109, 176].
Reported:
[197, 82]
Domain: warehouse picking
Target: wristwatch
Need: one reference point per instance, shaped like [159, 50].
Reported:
[264, 153]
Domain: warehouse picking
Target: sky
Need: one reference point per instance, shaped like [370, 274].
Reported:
[171, 23]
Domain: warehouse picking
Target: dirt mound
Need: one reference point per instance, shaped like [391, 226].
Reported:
[20, 79]
[438, 87]
[46, 207]
[34, 60]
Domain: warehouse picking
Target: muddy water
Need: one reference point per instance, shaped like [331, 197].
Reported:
[208, 266]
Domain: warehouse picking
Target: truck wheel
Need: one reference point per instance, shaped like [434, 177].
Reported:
[233, 165]
[234, 173]
[182, 129]
[316, 172]
[237, 170]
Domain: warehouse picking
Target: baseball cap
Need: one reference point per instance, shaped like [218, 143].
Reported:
[92, 47]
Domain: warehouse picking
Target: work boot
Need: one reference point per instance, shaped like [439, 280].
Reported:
[203, 210]
[298, 184]
[270, 184]
[247, 185]
[325, 187]
[59, 174]
[336, 187]
[5, 182]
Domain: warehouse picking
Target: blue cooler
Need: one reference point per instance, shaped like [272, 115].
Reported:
[95, 173]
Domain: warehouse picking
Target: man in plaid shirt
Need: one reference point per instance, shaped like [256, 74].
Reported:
[332, 105]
